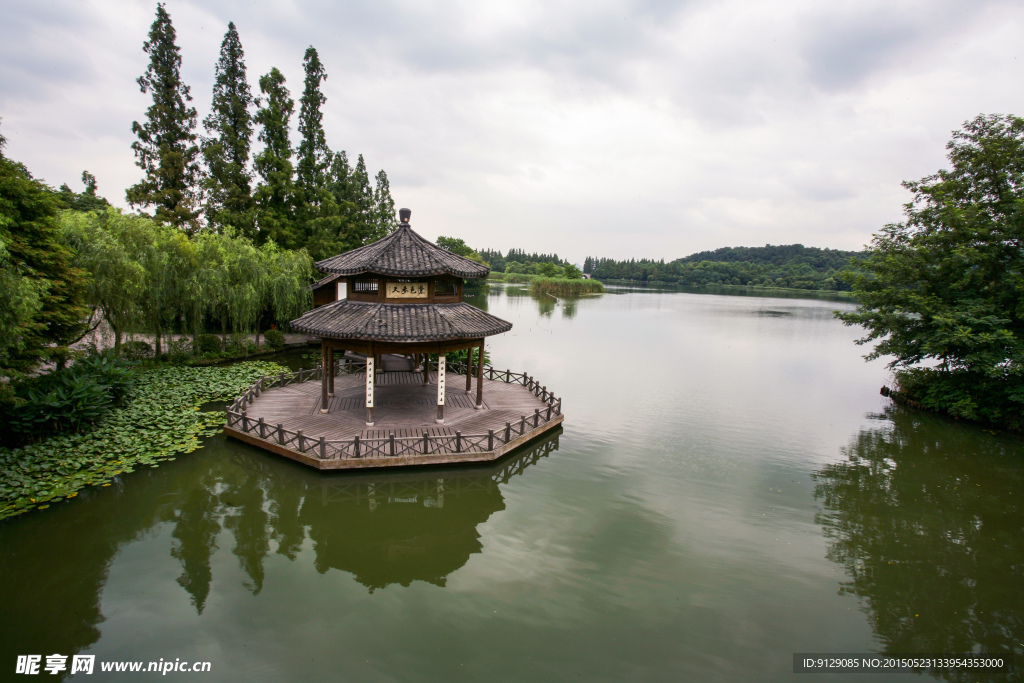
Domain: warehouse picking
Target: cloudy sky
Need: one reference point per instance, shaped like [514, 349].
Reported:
[613, 128]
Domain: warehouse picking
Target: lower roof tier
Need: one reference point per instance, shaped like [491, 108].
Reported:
[346, 319]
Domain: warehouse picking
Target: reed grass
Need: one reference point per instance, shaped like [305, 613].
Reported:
[558, 286]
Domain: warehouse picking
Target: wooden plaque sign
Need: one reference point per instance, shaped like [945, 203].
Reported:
[407, 290]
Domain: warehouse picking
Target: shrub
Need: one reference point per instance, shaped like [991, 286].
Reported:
[275, 339]
[206, 344]
[136, 349]
[68, 400]
[240, 343]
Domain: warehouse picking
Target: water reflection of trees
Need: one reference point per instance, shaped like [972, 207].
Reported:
[926, 518]
[384, 529]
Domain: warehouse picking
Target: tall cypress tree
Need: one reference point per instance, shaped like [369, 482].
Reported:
[384, 222]
[361, 195]
[313, 154]
[226, 152]
[166, 149]
[317, 211]
[275, 193]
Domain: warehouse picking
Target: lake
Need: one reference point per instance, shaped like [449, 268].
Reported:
[729, 488]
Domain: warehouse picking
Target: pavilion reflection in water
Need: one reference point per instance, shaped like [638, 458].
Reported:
[383, 528]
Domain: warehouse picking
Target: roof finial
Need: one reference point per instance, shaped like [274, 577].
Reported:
[404, 214]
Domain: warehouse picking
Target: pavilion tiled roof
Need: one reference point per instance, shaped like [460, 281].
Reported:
[403, 253]
[347, 319]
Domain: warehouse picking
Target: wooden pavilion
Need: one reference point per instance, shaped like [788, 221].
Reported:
[404, 297]
[398, 298]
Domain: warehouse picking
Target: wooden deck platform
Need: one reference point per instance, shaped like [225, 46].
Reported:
[282, 415]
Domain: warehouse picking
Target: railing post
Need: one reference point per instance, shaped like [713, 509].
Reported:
[547, 418]
[508, 376]
[458, 441]
[522, 425]
[391, 438]
[490, 439]
[355, 446]
[426, 443]
[559, 406]
[262, 427]
[280, 433]
[508, 432]
[282, 378]
[323, 447]
[536, 417]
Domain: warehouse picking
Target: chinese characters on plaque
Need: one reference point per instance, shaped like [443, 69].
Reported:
[407, 290]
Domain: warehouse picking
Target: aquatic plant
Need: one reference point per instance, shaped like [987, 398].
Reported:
[557, 286]
[159, 420]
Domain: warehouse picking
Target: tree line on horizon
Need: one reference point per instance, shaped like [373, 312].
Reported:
[303, 197]
[791, 266]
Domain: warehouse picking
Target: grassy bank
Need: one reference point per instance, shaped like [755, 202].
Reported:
[159, 420]
[557, 286]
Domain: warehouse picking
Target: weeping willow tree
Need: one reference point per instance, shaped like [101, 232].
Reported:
[287, 275]
[110, 247]
[150, 277]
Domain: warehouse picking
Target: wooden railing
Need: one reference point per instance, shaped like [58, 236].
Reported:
[390, 446]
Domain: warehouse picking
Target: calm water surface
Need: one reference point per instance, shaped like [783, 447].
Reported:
[729, 489]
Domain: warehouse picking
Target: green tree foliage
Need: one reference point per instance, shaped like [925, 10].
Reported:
[791, 266]
[497, 260]
[384, 221]
[41, 292]
[88, 200]
[946, 286]
[457, 245]
[228, 181]
[317, 213]
[166, 149]
[571, 272]
[276, 193]
[109, 246]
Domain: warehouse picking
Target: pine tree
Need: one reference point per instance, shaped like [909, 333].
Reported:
[317, 211]
[313, 154]
[275, 193]
[226, 152]
[166, 149]
[384, 222]
[361, 196]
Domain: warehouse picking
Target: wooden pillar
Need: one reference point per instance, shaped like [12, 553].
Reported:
[425, 359]
[330, 363]
[441, 367]
[480, 377]
[324, 370]
[469, 368]
[370, 371]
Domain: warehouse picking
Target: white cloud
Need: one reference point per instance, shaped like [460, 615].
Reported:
[611, 128]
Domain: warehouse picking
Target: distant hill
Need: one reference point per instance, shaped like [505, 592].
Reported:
[780, 266]
[777, 255]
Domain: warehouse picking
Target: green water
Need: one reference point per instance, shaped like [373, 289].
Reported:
[729, 489]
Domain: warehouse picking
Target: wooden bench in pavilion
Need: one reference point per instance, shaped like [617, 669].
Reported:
[401, 295]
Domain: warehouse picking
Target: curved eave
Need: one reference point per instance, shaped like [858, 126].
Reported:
[403, 253]
[399, 322]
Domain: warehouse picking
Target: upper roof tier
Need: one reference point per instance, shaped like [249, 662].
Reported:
[403, 253]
